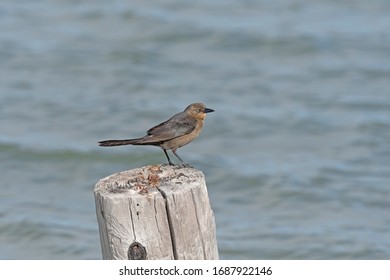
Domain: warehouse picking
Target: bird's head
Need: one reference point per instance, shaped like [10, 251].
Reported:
[198, 110]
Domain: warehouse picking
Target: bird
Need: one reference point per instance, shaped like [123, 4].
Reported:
[177, 131]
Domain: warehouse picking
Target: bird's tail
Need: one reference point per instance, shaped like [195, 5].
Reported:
[110, 143]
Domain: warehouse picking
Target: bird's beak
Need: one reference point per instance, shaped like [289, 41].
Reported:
[207, 110]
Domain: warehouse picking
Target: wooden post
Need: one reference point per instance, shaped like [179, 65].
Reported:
[156, 212]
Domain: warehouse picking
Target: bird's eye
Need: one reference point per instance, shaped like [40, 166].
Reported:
[198, 110]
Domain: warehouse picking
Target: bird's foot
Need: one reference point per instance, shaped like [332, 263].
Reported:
[182, 165]
[185, 165]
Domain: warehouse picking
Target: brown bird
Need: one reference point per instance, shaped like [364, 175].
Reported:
[172, 134]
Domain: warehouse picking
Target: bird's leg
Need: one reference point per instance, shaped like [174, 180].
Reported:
[169, 160]
[182, 161]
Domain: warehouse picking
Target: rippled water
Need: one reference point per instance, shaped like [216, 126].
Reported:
[296, 156]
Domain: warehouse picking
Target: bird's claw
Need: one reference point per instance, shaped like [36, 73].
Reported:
[187, 165]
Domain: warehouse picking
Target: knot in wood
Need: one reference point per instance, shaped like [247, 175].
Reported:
[136, 252]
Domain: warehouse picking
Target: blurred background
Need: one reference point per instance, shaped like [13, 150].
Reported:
[296, 156]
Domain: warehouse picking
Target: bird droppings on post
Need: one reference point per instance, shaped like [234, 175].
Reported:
[144, 180]
[136, 252]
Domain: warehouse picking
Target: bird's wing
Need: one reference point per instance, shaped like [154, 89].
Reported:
[176, 126]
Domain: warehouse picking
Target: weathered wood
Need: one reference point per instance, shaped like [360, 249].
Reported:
[155, 212]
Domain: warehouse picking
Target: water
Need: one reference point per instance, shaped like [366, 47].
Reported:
[296, 156]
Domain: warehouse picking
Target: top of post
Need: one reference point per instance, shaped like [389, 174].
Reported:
[147, 179]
